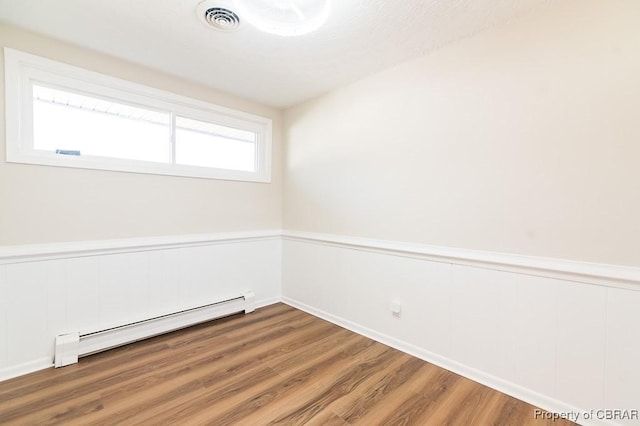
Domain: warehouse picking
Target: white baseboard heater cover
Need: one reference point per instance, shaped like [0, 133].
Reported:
[71, 346]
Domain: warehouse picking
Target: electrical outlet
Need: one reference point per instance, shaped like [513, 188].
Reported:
[396, 308]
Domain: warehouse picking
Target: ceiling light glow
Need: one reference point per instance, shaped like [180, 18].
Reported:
[285, 17]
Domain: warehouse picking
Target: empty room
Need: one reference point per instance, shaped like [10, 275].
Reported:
[320, 212]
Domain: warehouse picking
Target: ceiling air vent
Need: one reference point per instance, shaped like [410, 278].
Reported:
[218, 15]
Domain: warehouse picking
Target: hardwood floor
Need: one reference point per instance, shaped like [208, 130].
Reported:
[275, 366]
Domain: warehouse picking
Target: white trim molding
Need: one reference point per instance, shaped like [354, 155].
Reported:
[52, 251]
[26, 368]
[589, 273]
[570, 270]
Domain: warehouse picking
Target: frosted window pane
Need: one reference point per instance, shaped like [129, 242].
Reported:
[208, 145]
[97, 127]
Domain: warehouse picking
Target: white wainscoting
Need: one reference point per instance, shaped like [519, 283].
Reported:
[52, 289]
[561, 335]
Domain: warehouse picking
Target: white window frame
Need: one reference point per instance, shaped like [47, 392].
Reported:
[23, 70]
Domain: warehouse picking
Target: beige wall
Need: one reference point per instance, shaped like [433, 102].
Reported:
[41, 204]
[523, 139]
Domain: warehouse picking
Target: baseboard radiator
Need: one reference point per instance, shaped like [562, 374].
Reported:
[71, 346]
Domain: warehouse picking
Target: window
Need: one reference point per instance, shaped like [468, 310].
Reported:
[60, 115]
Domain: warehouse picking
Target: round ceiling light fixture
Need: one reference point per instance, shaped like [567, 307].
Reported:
[218, 15]
[285, 17]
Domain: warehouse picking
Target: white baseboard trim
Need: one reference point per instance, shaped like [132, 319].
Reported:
[539, 400]
[25, 368]
[617, 276]
[267, 302]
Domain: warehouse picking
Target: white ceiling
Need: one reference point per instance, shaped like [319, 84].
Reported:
[360, 38]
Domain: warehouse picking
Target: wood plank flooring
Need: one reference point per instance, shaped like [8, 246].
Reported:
[275, 366]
